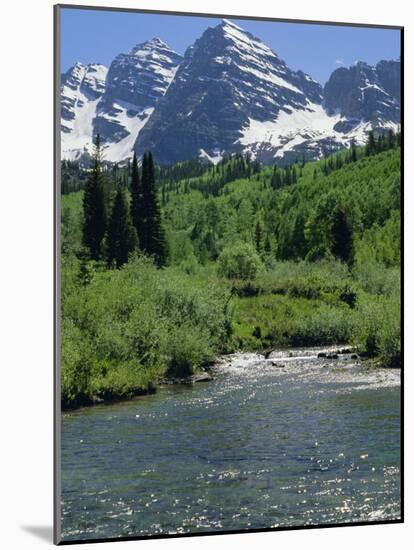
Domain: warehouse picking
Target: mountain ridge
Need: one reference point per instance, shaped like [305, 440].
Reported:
[229, 93]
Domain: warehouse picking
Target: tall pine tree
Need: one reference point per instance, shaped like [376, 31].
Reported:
[94, 207]
[353, 152]
[258, 235]
[342, 237]
[371, 146]
[154, 242]
[122, 238]
[137, 203]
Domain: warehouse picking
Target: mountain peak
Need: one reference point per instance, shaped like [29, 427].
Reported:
[365, 92]
[243, 40]
[228, 23]
[81, 69]
[150, 45]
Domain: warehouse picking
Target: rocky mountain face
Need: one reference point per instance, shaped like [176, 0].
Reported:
[227, 78]
[134, 84]
[229, 93]
[123, 101]
[363, 92]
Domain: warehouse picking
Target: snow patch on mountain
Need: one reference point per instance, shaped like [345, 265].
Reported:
[132, 122]
[214, 158]
[270, 77]
[79, 140]
[293, 128]
[81, 90]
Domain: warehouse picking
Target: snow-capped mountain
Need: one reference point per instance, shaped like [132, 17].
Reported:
[128, 92]
[232, 93]
[363, 92]
[134, 84]
[228, 83]
[229, 93]
[82, 87]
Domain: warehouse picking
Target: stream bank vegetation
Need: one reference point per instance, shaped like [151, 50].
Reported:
[164, 268]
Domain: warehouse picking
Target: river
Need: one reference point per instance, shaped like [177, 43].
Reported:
[288, 441]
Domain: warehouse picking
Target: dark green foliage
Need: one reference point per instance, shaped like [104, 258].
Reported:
[342, 240]
[137, 201]
[353, 156]
[152, 239]
[371, 146]
[349, 295]
[73, 177]
[181, 171]
[258, 236]
[121, 240]
[276, 180]
[267, 246]
[391, 141]
[257, 332]
[94, 207]
[86, 272]
[382, 142]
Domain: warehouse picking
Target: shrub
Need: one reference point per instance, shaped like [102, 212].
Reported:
[77, 366]
[240, 261]
[121, 381]
[187, 349]
[257, 332]
[377, 329]
[349, 295]
[310, 287]
[135, 325]
[327, 325]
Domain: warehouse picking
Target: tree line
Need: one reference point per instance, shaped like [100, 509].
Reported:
[130, 222]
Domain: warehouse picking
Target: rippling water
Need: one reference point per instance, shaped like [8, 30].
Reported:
[288, 441]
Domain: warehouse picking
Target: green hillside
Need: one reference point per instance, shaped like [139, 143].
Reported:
[255, 257]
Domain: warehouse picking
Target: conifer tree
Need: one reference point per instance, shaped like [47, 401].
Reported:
[122, 237]
[371, 145]
[287, 179]
[211, 246]
[154, 241]
[338, 162]
[342, 239]
[137, 202]
[353, 152]
[94, 207]
[258, 236]
[294, 177]
[86, 272]
[390, 140]
[267, 246]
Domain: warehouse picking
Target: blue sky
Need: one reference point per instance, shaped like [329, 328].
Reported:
[92, 36]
